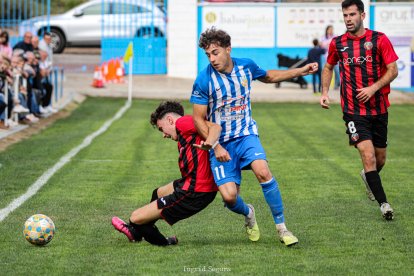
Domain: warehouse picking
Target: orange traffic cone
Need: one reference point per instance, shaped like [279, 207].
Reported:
[119, 71]
[111, 71]
[97, 78]
[105, 72]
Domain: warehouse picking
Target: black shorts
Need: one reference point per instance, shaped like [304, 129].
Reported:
[183, 204]
[360, 128]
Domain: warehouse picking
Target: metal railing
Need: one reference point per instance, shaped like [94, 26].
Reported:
[56, 78]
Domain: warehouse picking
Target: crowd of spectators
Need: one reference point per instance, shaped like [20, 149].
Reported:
[25, 85]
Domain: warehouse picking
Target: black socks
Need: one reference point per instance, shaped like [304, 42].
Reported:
[154, 195]
[374, 182]
[150, 233]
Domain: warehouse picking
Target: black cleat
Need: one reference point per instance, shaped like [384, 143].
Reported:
[172, 240]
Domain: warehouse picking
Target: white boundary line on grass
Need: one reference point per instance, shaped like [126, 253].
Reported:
[42, 180]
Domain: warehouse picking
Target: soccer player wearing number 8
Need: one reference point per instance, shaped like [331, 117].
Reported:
[367, 63]
[221, 93]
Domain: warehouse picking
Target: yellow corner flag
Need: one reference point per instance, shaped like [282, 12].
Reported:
[129, 52]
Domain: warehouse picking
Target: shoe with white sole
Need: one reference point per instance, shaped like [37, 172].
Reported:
[43, 110]
[51, 109]
[386, 211]
[369, 192]
[287, 238]
[252, 229]
[20, 109]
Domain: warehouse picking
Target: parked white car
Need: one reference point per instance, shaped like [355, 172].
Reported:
[82, 25]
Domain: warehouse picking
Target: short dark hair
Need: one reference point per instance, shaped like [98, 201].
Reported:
[315, 42]
[358, 3]
[5, 35]
[214, 36]
[46, 34]
[164, 108]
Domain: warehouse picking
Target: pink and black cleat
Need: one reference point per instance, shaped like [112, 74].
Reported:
[122, 227]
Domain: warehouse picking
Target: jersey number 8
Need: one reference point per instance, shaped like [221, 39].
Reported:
[351, 127]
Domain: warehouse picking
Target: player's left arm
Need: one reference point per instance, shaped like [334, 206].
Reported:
[365, 93]
[273, 76]
[389, 57]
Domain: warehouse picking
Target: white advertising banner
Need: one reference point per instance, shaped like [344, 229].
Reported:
[298, 26]
[404, 68]
[397, 22]
[248, 26]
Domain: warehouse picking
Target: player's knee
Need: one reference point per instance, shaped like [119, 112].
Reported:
[136, 217]
[229, 198]
[369, 159]
[263, 175]
[380, 162]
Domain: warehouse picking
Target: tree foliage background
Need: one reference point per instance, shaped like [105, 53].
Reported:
[60, 6]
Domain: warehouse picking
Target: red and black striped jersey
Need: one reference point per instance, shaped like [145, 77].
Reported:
[362, 61]
[193, 162]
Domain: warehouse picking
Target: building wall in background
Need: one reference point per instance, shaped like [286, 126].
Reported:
[260, 31]
[182, 38]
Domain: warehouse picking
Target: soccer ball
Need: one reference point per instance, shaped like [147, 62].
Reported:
[39, 229]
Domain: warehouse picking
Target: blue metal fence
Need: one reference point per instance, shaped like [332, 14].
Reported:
[13, 12]
[144, 23]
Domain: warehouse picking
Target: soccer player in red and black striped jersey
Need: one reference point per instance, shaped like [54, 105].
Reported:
[186, 196]
[367, 63]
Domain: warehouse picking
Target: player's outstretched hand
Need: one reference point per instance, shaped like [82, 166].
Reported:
[324, 101]
[310, 68]
[221, 153]
[203, 145]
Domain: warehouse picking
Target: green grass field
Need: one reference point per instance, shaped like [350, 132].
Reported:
[340, 231]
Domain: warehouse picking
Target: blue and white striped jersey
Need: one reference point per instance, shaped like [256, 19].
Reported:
[228, 97]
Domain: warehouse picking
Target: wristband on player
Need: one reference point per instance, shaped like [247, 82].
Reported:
[215, 144]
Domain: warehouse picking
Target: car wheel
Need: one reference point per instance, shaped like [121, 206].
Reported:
[147, 33]
[58, 41]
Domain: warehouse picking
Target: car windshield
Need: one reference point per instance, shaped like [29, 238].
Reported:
[96, 9]
[161, 7]
[124, 8]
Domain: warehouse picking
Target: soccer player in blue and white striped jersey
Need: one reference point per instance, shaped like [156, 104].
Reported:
[221, 94]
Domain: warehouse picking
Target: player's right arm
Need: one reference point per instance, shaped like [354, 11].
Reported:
[326, 81]
[327, 74]
[199, 115]
[273, 76]
[201, 124]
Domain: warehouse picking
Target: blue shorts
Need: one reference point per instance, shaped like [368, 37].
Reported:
[243, 151]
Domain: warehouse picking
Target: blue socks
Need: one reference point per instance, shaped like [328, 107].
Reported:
[274, 200]
[240, 207]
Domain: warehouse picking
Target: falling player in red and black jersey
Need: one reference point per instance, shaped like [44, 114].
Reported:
[367, 63]
[186, 196]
